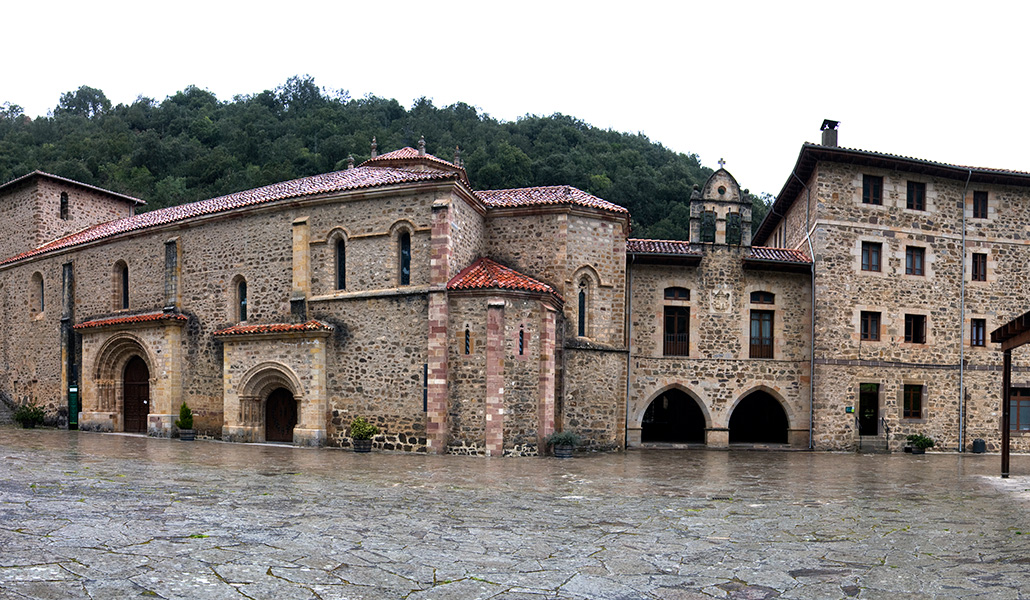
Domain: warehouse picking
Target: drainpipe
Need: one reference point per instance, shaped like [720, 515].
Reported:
[962, 329]
[629, 343]
[811, 361]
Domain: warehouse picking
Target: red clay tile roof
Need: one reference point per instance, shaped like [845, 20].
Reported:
[659, 247]
[144, 318]
[407, 154]
[485, 274]
[351, 179]
[72, 182]
[312, 325]
[777, 254]
[547, 195]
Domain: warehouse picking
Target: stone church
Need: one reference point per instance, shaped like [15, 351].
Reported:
[480, 321]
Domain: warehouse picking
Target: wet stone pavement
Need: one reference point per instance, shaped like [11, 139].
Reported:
[110, 516]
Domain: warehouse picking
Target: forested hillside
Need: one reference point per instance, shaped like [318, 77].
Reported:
[192, 146]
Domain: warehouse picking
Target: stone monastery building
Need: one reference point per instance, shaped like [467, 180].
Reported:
[478, 322]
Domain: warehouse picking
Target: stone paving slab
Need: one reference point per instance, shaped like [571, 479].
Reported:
[111, 516]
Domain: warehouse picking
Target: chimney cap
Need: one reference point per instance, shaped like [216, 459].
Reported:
[829, 124]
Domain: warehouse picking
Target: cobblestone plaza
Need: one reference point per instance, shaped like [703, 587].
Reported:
[117, 516]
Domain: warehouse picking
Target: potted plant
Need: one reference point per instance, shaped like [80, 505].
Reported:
[361, 432]
[29, 415]
[185, 423]
[920, 443]
[563, 442]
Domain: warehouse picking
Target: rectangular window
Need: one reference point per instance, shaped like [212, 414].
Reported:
[872, 189]
[677, 331]
[708, 226]
[979, 205]
[978, 332]
[915, 329]
[914, 256]
[913, 402]
[761, 334]
[979, 267]
[871, 326]
[871, 256]
[733, 228]
[916, 196]
[1019, 410]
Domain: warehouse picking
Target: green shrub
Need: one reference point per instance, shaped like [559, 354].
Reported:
[29, 415]
[564, 438]
[185, 420]
[921, 441]
[361, 429]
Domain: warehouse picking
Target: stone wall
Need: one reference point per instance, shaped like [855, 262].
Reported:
[593, 401]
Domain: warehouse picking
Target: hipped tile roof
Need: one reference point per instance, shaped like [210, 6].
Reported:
[128, 319]
[546, 195]
[635, 246]
[485, 274]
[778, 255]
[407, 154]
[312, 325]
[350, 179]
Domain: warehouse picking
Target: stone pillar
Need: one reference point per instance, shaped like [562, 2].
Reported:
[437, 395]
[314, 407]
[717, 437]
[173, 271]
[301, 270]
[495, 377]
[545, 410]
[166, 383]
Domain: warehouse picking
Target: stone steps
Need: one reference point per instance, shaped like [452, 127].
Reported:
[872, 444]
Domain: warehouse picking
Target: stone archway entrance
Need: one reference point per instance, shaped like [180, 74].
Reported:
[675, 417]
[280, 416]
[759, 419]
[135, 395]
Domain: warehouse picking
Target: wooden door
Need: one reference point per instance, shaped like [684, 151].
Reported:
[136, 395]
[280, 416]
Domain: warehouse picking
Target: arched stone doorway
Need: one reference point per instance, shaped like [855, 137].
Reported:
[280, 415]
[674, 416]
[759, 418]
[135, 395]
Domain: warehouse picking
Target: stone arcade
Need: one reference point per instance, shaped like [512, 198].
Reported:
[478, 322]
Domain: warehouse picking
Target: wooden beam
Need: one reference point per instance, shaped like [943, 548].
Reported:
[1017, 340]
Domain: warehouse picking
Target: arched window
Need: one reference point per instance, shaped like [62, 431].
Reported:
[36, 303]
[64, 205]
[581, 330]
[341, 264]
[405, 258]
[241, 299]
[120, 284]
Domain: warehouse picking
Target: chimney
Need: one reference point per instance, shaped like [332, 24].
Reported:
[829, 130]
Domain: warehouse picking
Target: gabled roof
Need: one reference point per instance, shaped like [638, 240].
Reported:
[485, 274]
[66, 181]
[312, 325]
[635, 246]
[131, 319]
[546, 195]
[339, 181]
[408, 157]
[811, 154]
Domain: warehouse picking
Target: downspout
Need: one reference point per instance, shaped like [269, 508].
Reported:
[629, 342]
[962, 328]
[811, 341]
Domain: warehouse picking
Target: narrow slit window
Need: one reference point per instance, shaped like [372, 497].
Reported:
[241, 295]
[64, 205]
[522, 341]
[125, 287]
[582, 316]
[405, 258]
[341, 264]
[468, 340]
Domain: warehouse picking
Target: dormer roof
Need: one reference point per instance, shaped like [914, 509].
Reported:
[410, 158]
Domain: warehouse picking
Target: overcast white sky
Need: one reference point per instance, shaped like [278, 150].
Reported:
[744, 81]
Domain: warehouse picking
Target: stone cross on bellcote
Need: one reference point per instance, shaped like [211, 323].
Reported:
[722, 163]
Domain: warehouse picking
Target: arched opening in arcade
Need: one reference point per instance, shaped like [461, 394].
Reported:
[759, 418]
[674, 416]
[280, 415]
[135, 396]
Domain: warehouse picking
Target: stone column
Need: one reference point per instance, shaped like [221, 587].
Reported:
[545, 410]
[173, 271]
[301, 270]
[495, 377]
[314, 407]
[437, 395]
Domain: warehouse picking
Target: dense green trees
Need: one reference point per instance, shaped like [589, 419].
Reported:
[193, 146]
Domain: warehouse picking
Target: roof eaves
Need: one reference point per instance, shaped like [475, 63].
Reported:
[38, 173]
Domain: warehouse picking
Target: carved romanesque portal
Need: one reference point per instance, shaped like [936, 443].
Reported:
[673, 416]
[280, 416]
[759, 418]
[136, 395]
